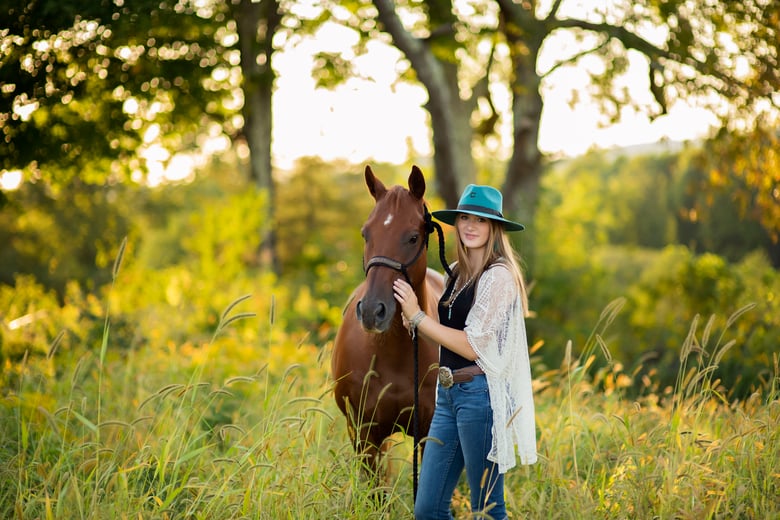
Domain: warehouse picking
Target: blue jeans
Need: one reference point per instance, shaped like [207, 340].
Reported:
[462, 424]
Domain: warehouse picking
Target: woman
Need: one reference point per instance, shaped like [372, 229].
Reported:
[484, 416]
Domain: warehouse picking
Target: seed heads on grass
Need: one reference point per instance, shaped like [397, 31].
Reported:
[225, 319]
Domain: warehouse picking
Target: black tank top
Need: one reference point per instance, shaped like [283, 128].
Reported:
[454, 316]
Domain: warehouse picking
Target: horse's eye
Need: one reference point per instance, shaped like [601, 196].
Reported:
[413, 240]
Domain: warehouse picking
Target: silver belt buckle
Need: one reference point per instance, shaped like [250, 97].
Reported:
[445, 377]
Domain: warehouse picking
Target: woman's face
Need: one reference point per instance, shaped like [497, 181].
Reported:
[473, 231]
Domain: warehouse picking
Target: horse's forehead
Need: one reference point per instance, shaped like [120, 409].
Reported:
[398, 206]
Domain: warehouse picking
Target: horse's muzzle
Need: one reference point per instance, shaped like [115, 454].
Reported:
[373, 316]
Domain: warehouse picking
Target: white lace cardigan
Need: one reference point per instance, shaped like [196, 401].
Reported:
[495, 328]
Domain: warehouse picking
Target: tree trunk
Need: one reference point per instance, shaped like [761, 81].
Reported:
[256, 23]
[450, 115]
[524, 172]
[452, 134]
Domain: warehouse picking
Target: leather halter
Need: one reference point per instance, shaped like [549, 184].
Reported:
[384, 261]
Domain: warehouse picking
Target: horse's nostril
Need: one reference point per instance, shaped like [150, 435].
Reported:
[381, 310]
[359, 310]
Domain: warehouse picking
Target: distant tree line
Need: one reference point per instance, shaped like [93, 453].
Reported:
[92, 87]
[625, 227]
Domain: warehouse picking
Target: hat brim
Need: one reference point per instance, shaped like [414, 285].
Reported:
[448, 216]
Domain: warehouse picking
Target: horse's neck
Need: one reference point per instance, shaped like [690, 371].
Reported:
[422, 295]
[397, 330]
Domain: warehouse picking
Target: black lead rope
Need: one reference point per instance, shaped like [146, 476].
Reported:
[383, 261]
[430, 226]
[415, 410]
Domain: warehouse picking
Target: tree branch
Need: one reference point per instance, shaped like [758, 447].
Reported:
[443, 30]
[629, 39]
[554, 10]
[402, 39]
[654, 53]
[416, 50]
[573, 59]
[482, 90]
[508, 6]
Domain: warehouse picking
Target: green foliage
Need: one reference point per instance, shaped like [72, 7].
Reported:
[713, 218]
[201, 254]
[38, 328]
[89, 84]
[600, 219]
[749, 365]
[31, 316]
[696, 57]
[319, 212]
[665, 291]
[62, 235]
[193, 248]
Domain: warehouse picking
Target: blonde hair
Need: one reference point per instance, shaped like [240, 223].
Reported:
[498, 249]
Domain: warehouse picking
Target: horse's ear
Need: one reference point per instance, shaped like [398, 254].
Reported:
[417, 182]
[375, 186]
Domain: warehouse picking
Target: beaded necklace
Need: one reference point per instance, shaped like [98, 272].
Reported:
[455, 297]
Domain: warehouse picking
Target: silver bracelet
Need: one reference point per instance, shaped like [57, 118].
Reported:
[415, 320]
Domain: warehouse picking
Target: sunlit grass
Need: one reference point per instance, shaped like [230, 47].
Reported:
[158, 433]
[685, 452]
[234, 430]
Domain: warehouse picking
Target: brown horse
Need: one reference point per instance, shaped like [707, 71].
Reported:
[373, 359]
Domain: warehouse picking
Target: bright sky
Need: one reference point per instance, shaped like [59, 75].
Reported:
[360, 120]
[368, 120]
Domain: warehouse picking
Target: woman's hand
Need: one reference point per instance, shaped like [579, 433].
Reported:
[404, 294]
[454, 339]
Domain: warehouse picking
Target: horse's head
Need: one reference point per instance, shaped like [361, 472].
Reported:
[396, 239]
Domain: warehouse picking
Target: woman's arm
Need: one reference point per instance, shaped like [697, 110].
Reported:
[454, 339]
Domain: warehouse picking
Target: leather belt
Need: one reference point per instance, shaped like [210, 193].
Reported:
[448, 377]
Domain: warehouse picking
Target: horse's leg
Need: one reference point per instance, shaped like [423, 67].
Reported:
[367, 440]
[379, 465]
[369, 452]
[386, 461]
[376, 448]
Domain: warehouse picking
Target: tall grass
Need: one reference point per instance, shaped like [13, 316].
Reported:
[682, 452]
[255, 445]
[153, 433]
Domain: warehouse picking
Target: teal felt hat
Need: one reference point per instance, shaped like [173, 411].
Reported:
[482, 201]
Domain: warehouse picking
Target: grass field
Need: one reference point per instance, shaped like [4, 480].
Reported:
[226, 429]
